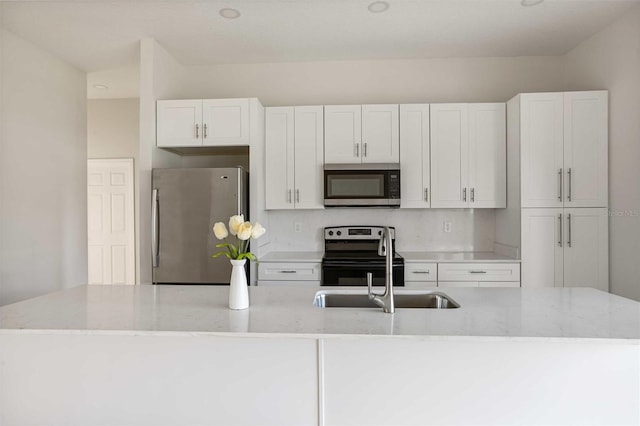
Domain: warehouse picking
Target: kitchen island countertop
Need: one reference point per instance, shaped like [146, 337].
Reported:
[485, 313]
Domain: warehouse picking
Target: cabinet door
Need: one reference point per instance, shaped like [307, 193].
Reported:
[342, 133]
[279, 157]
[449, 155]
[414, 156]
[179, 123]
[380, 134]
[541, 128]
[309, 151]
[586, 251]
[225, 121]
[542, 244]
[586, 149]
[487, 156]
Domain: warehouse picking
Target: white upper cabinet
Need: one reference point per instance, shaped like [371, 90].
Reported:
[225, 122]
[179, 123]
[449, 155]
[380, 134]
[564, 149]
[197, 122]
[361, 134]
[487, 156]
[294, 153]
[415, 173]
[586, 149]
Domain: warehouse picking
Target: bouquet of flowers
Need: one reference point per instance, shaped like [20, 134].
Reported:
[243, 231]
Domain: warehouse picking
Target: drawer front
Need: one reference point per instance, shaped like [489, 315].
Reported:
[300, 283]
[479, 272]
[276, 271]
[503, 284]
[420, 272]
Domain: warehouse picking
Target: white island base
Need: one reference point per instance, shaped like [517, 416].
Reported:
[177, 356]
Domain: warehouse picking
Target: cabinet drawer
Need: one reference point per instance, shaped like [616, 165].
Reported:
[479, 272]
[420, 272]
[288, 271]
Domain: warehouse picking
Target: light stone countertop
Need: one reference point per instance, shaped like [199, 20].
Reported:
[452, 257]
[292, 256]
[485, 313]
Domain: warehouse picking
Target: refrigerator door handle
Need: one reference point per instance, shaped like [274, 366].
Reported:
[155, 228]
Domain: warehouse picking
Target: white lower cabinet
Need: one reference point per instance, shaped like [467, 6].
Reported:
[478, 275]
[565, 248]
[420, 275]
[283, 273]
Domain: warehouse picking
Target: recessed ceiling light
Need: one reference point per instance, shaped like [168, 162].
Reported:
[378, 7]
[100, 86]
[528, 3]
[229, 13]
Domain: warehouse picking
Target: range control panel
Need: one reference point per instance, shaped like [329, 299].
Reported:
[355, 232]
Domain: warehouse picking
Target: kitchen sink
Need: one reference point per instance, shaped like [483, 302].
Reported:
[347, 299]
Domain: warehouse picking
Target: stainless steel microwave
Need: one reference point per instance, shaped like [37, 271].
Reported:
[362, 185]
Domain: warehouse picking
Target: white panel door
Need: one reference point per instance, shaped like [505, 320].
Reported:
[179, 123]
[110, 211]
[380, 134]
[542, 244]
[487, 156]
[279, 157]
[449, 155]
[342, 133]
[225, 122]
[309, 153]
[586, 251]
[586, 149]
[415, 153]
[541, 128]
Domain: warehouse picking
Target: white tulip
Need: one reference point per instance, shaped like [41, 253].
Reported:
[258, 231]
[244, 231]
[220, 231]
[235, 222]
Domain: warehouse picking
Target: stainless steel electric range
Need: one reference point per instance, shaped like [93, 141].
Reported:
[352, 251]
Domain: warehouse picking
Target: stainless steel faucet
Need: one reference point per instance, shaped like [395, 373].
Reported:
[385, 248]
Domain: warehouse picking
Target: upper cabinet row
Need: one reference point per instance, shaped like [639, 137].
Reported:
[202, 122]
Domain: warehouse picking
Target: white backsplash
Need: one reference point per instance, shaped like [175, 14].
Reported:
[416, 230]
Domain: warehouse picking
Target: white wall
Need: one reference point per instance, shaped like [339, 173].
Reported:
[391, 81]
[43, 161]
[611, 60]
[113, 128]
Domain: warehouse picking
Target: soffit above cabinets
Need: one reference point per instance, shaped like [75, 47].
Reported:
[101, 34]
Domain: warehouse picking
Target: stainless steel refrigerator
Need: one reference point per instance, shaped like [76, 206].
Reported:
[185, 205]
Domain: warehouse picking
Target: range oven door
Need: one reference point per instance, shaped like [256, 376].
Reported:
[348, 273]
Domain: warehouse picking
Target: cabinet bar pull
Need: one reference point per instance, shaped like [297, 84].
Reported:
[364, 149]
[473, 195]
[204, 130]
[560, 184]
[464, 194]
[357, 150]
[288, 272]
[197, 131]
[420, 272]
[560, 230]
[569, 191]
[297, 195]
[426, 194]
[289, 196]
[477, 272]
[569, 230]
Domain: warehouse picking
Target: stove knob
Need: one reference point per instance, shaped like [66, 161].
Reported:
[339, 233]
[330, 232]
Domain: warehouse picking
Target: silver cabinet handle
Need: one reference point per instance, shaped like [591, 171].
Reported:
[477, 272]
[560, 230]
[288, 272]
[560, 184]
[204, 131]
[297, 195]
[357, 150]
[420, 272]
[197, 130]
[569, 191]
[569, 230]
[426, 194]
[289, 196]
[473, 195]
[364, 149]
[464, 194]
[155, 228]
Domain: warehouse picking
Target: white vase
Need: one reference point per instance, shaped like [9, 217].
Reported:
[238, 291]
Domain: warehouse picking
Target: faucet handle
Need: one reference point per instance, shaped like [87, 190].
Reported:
[370, 285]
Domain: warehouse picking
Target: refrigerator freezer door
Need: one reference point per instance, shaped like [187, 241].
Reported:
[189, 202]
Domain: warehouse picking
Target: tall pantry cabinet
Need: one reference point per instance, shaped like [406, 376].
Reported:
[563, 143]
